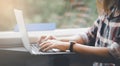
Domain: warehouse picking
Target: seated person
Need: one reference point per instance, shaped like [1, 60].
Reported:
[101, 40]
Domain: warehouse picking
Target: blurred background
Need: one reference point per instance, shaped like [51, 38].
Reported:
[65, 13]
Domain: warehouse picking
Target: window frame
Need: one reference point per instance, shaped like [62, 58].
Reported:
[12, 39]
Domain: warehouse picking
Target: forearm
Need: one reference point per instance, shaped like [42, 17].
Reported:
[76, 38]
[93, 51]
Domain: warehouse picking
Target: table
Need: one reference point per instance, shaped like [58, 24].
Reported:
[24, 58]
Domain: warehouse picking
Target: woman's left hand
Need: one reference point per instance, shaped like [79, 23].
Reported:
[54, 44]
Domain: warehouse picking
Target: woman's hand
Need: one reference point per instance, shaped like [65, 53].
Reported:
[45, 38]
[50, 44]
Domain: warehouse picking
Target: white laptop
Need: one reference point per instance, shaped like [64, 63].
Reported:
[32, 48]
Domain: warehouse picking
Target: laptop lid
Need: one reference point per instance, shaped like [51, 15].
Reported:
[22, 28]
[24, 34]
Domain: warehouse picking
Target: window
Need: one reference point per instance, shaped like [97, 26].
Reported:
[65, 13]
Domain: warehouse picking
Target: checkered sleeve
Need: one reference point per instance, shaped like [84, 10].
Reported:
[114, 49]
[92, 32]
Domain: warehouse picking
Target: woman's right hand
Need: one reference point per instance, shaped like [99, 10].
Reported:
[45, 38]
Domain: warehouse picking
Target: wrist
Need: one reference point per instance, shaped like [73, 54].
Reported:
[71, 44]
[65, 46]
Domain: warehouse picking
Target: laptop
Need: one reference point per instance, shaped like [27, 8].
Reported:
[32, 48]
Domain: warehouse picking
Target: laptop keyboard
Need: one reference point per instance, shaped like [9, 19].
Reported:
[36, 48]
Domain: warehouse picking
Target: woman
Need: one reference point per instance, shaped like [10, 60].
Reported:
[102, 39]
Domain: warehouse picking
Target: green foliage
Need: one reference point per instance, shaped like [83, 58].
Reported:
[60, 12]
[64, 13]
[93, 10]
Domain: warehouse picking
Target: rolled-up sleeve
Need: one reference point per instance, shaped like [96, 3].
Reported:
[91, 34]
[114, 50]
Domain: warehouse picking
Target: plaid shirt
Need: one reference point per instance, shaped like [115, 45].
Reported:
[106, 33]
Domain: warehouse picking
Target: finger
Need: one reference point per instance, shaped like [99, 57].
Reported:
[48, 48]
[49, 38]
[46, 38]
[52, 37]
[39, 41]
[43, 43]
[45, 46]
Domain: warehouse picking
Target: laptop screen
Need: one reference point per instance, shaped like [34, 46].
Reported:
[22, 28]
